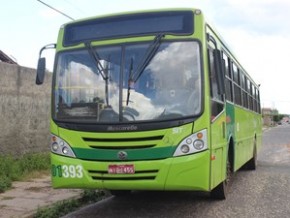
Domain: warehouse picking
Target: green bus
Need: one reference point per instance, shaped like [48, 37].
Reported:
[150, 100]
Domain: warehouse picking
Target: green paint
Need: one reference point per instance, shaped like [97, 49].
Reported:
[133, 154]
[230, 120]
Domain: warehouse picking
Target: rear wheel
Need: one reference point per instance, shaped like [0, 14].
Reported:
[220, 192]
[252, 163]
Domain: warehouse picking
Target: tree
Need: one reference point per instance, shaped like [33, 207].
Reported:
[278, 117]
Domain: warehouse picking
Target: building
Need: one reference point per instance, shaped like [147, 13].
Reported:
[5, 58]
[268, 115]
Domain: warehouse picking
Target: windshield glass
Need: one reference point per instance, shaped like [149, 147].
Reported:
[168, 88]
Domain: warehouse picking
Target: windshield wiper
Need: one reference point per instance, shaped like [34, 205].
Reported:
[130, 82]
[104, 72]
[149, 54]
[95, 56]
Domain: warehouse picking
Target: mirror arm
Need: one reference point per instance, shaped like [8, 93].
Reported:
[49, 46]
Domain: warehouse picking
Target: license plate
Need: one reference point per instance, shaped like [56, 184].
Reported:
[121, 169]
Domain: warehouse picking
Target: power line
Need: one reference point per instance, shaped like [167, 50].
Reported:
[55, 10]
[75, 7]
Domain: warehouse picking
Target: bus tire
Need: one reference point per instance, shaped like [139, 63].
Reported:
[252, 163]
[220, 192]
[120, 193]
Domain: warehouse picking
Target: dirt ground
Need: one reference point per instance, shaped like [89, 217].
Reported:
[25, 198]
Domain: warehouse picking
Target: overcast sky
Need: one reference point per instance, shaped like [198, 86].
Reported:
[258, 32]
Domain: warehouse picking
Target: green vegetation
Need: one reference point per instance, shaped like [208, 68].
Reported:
[64, 207]
[278, 117]
[13, 169]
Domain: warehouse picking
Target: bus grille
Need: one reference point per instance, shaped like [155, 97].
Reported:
[123, 143]
[138, 175]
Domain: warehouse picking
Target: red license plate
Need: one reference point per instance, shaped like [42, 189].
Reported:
[121, 169]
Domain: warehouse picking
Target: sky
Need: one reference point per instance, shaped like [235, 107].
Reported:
[258, 32]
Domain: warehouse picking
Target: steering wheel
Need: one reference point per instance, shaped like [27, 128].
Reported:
[129, 113]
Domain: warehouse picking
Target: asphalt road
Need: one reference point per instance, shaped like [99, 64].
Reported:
[264, 193]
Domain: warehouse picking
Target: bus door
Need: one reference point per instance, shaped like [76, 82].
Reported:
[218, 117]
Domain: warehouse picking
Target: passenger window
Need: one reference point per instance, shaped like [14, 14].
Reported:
[226, 65]
[236, 74]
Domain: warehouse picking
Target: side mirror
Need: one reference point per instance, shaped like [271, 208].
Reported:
[40, 72]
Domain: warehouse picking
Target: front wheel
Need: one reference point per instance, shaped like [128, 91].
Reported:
[220, 192]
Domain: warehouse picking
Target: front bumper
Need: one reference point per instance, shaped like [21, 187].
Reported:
[189, 172]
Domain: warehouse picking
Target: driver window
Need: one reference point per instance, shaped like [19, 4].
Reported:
[217, 103]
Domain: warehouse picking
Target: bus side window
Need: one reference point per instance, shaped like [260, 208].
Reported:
[237, 82]
[217, 104]
[244, 91]
[213, 77]
[228, 76]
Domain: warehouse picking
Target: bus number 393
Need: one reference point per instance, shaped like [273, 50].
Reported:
[67, 171]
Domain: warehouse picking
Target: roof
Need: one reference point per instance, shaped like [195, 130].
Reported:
[5, 58]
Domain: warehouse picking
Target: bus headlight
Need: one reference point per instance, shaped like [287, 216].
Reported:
[54, 147]
[198, 144]
[59, 146]
[185, 148]
[192, 144]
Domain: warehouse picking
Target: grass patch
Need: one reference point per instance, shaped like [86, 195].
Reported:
[67, 206]
[15, 169]
[35, 174]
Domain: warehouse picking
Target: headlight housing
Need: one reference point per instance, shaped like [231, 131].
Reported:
[194, 143]
[59, 146]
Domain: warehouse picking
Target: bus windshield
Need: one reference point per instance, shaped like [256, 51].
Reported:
[169, 87]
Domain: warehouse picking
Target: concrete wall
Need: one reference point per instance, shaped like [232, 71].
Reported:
[24, 111]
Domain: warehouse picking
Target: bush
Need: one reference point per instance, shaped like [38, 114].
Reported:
[57, 209]
[33, 162]
[12, 169]
[90, 196]
[5, 183]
